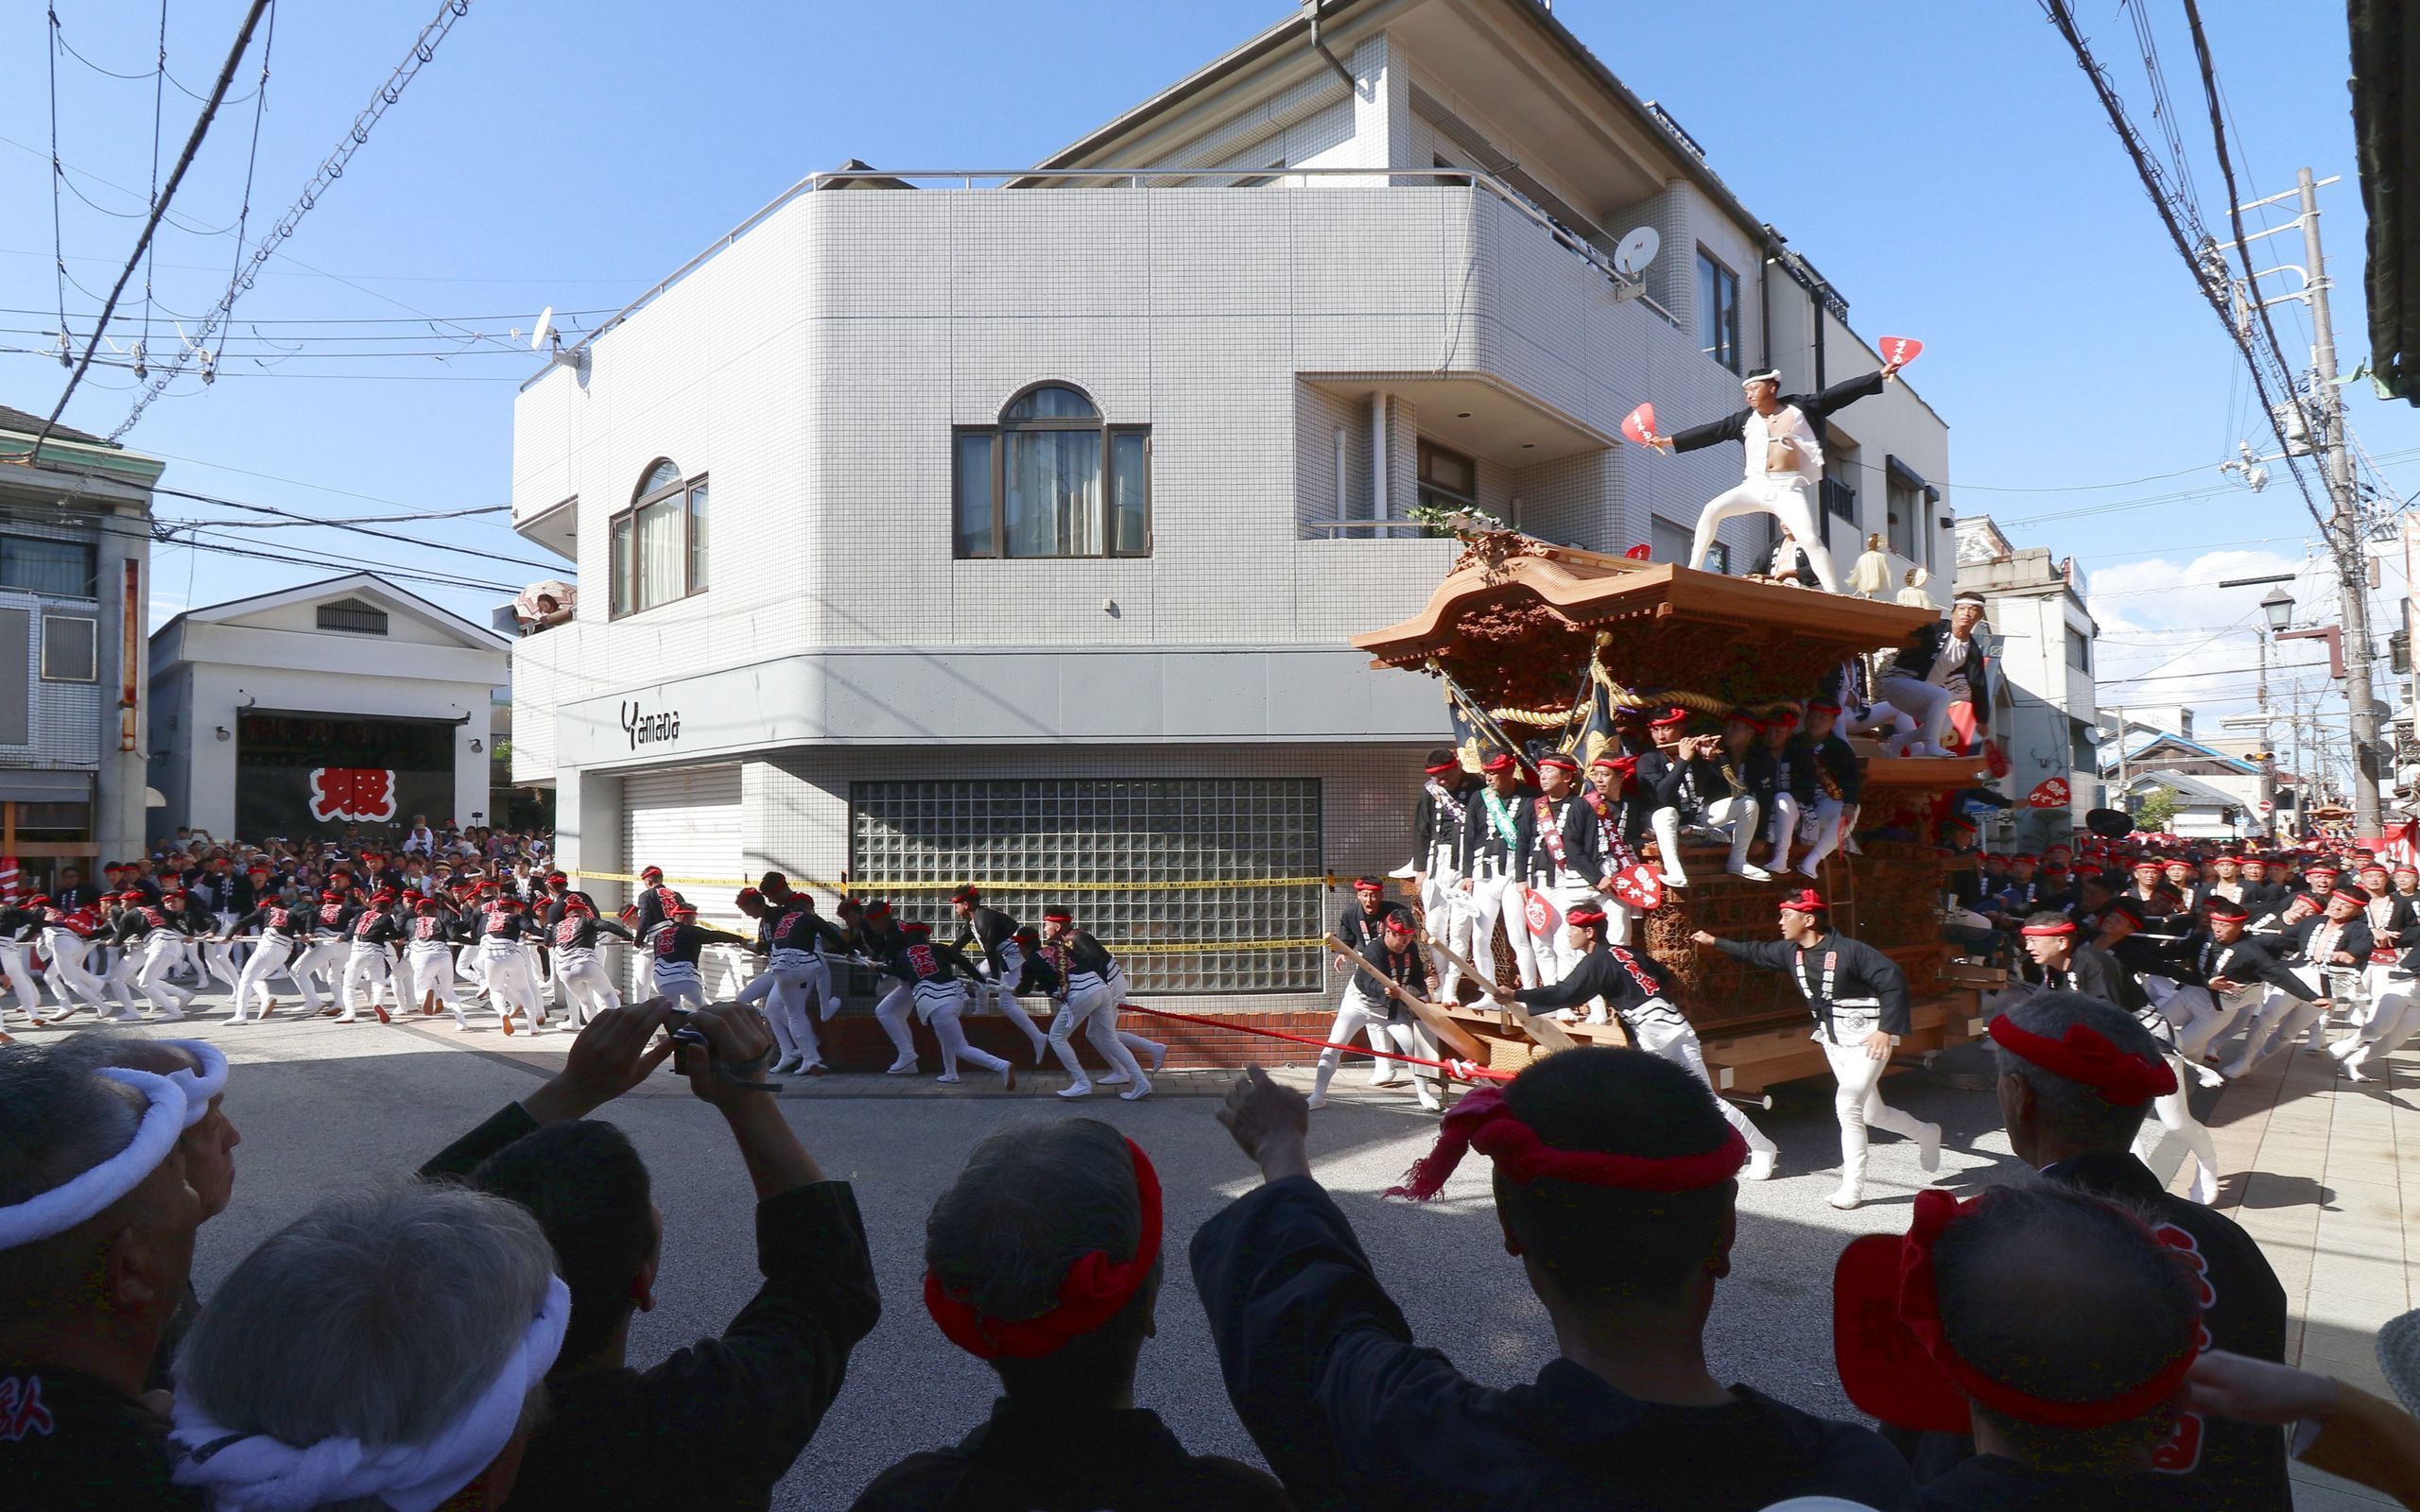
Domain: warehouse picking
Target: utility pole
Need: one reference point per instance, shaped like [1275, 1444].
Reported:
[2268, 757]
[2345, 531]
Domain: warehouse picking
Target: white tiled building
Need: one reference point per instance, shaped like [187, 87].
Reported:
[1013, 524]
[2048, 701]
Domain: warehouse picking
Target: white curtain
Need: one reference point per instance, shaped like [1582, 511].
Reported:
[663, 553]
[1052, 484]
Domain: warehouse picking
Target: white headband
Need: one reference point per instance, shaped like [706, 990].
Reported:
[94, 1191]
[201, 1085]
[253, 1473]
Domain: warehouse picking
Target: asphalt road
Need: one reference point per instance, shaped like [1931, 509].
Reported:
[322, 1106]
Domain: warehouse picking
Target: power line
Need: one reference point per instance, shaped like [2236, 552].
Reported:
[159, 207]
[158, 101]
[331, 168]
[360, 529]
[251, 162]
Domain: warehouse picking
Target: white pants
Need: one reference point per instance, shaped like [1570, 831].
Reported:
[890, 1011]
[1927, 703]
[261, 963]
[939, 1004]
[431, 966]
[1677, 1041]
[1489, 897]
[1782, 831]
[587, 986]
[1447, 911]
[320, 958]
[1738, 814]
[68, 975]
[2174, 1115]
[161, 952]
[678, 981]
[1551, 952]
[2279, 1019]
[124, 961]
[1857, 1101]
[513, 985]
[1666, 825]
[1832, 820]
[1001, 990]
[1093, 1009]
[2395, 1021]
[1356, 1014]
[790, 988]
[365, 967]
[1786, 496]
[21, 979]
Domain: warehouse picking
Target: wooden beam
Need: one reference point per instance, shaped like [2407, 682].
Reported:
[1545, 1032]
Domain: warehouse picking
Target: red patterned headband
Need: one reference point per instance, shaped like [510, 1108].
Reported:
[2065, 926]
[1093, 1291]
[2084, 1054]
[1481, 1122]
[1896, 1363]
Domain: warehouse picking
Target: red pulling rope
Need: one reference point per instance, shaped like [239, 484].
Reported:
[1459, 1070]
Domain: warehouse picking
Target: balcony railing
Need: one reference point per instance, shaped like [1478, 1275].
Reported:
[1001, 178]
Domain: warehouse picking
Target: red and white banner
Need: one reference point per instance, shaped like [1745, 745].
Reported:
[1639, 424]
[9, 885]
[1639, 889]
[2051, 792]
[1900, 351]
[1537, 913]
[362, 795]
[2400, 844]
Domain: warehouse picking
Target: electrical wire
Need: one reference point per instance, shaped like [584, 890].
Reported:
[346, 525]
[58, 232]
[158, 101]
[251, 162]
[193, 146]
[331, 168]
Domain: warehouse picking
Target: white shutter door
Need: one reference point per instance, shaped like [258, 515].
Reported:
[687, 822]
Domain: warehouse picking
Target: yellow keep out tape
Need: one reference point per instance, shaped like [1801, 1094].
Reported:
[869, 887]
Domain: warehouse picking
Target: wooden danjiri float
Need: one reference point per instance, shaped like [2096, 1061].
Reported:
[1538, 636]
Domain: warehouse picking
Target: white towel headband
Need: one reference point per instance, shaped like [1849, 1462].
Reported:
[253, 1473]
[201, 1085]
[94, 1191]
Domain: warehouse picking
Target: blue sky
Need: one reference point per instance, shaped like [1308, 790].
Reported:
[1944, 165]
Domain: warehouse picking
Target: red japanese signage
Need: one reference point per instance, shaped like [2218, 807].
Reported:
[359, 793]
[2052, 793]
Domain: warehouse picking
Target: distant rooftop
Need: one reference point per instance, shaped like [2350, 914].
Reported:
[25, 424]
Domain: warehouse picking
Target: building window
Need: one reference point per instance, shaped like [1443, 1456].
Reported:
[1904, 490]
[70, 648]
[1051, 479]
[1840, 502]
[61, 569]
[353, 615]
[1718, 311]
[1028, 839]
[658, 545]
[1448, 480]
[2079, 651]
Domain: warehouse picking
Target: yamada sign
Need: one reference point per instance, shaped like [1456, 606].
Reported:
[662, 727]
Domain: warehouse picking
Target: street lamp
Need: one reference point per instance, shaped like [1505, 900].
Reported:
[2279, 606]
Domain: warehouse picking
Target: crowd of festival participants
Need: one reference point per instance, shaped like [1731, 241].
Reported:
[2081, 1338]
[429, 927]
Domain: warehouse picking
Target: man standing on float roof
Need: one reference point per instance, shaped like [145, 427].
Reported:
[1783, 438]
[1860, 999]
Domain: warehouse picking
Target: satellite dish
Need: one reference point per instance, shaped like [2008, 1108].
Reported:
[1636, 250]
[546, 328]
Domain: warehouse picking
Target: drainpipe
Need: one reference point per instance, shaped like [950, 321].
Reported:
[1311, 13]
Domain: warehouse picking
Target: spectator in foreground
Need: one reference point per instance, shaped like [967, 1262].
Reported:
[2075, 1077]
[386, 1349]
[2336, 1428]
[97, 1225]
[2054, 1322]
[209, 1141]
[1614, 1184]
[1043, 1260]
[719, 1423]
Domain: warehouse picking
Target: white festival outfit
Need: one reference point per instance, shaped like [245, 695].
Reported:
[1493, 886]
[1786, 493]
[253, 1473]
[1091, 1005]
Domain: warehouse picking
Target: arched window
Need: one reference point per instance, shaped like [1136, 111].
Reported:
[1052, 478]
[659, 543]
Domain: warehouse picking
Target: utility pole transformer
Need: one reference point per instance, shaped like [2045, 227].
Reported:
[2345, 534]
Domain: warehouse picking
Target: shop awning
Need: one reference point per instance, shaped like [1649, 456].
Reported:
[45, 787]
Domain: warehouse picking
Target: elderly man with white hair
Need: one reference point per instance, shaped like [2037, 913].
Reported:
[1783, 437]
[387, 1350]
[97, 1227]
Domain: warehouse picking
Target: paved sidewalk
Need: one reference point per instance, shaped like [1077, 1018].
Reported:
[2315, 1172]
